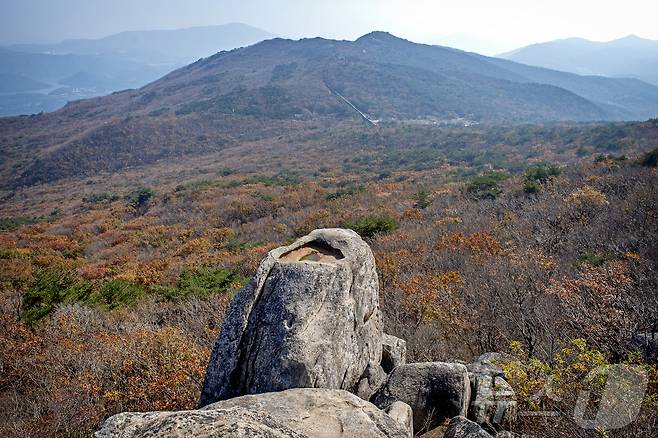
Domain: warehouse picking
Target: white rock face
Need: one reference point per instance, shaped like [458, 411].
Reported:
[493, 404]
[294, 413]
[310, 318]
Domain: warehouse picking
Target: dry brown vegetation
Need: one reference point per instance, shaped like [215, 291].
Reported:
[114, 288]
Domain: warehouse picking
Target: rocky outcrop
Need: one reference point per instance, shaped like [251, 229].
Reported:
[394, 352]
[234, 423]
[460, 427]
[434, 390]
[302, 353]
[294, 413]
[647, 343]
[309, 318]
[494, 360]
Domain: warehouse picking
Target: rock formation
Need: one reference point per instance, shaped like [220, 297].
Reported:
[302, 353]
[310, 318]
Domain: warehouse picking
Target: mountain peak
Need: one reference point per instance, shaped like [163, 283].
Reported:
[378, 36]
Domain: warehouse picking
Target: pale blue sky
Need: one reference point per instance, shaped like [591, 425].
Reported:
[489, 26]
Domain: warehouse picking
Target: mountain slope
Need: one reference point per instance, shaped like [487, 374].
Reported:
[631, 57]
[282, 86]
[384, 76]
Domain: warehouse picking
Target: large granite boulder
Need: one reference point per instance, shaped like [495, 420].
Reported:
[294, 413]
[434, 390]
[460, 427]
[309, 318]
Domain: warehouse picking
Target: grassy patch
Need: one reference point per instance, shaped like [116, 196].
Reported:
[593, 258]
[11, 223]
[368, 226]
[203, 282]
[344, 192]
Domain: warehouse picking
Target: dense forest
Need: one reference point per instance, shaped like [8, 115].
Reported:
[539, 241]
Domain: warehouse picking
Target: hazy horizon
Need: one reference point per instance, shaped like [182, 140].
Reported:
[474, 25]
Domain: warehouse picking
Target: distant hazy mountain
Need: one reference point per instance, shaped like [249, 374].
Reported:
[77, 69]
[631, 57]
[180, 46]
[269, 88]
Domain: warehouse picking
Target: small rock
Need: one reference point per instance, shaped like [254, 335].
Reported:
[373, 379]
[434, 390]
[460, 427]
[506, 434]
[394, 352]
[402, 413]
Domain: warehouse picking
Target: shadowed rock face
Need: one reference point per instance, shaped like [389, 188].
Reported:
[434, 390]
[394, 352]
[310, 318]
